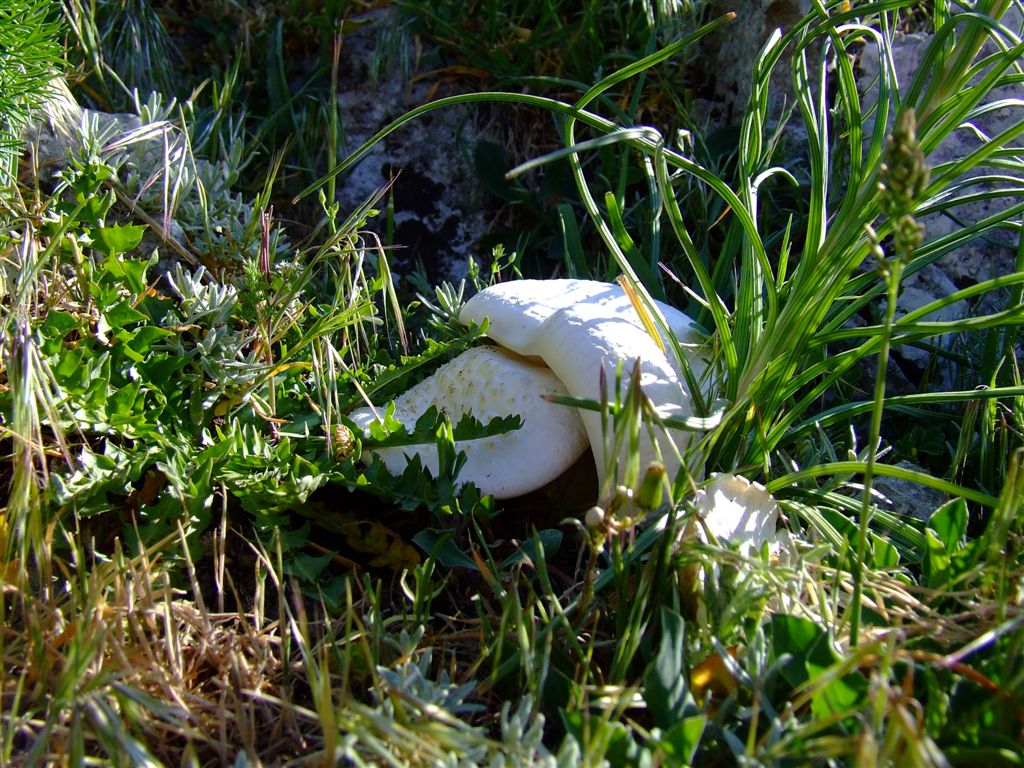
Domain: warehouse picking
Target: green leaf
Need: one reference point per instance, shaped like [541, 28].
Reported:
[122, 314]
[680, 742]
[887, 557]
[307, 567]
[68, 364]
[812, 654]
[141, 341]
[122, 402]
[438, 544]
[665, 690]
[643, 269]
[803, 641]
[949, 522]
[624, 751]
[57, 325]
[922, 441]
[390, 432]
[130, 272]
[576, 259]
[118, 238]
[548, 540]
[841, 695]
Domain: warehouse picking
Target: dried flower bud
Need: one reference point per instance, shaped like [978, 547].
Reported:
[343, 441]
[621, 500]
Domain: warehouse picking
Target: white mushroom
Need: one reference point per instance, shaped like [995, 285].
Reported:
[578, 328]
[489, 382]
[737, 510]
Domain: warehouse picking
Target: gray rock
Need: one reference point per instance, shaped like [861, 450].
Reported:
[438, 213]
[919, 290]
[907, 498]
[729, 55]
[982, 258]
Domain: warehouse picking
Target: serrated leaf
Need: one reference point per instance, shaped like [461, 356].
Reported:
[118, 238]
[438, 544]
[388, 432]
[131, 272]
[307, 567]
[141, 341]
[122, 314]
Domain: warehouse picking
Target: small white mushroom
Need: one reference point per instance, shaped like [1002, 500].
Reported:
[578, 328]
[737, 510]
[488, 382]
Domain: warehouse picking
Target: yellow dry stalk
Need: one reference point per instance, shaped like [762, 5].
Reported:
[641, 310]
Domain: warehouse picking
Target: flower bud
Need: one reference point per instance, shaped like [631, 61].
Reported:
[649, 494]
[594, 517]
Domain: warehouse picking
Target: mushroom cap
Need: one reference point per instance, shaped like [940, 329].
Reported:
[578, 328]
[488, 382]
[737, 510]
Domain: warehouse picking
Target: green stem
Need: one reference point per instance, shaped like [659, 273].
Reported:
[894, 271]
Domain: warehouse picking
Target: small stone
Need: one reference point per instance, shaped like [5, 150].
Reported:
[908, 498]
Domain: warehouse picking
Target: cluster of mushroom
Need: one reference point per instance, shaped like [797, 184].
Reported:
[555, 337]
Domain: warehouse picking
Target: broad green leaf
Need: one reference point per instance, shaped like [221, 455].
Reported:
[122, 314]
[122, 402]
[840, 695]
[887, 557]
[118, 238]
[141, 341]
[803, 641]
[949, 522]
[623, 749]
[130, 272]
[935, 569]
[438, 544]
[812, 655]
[681, 741]
[55, 327]
[69, 363]
[307, 567]
[665, 688]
